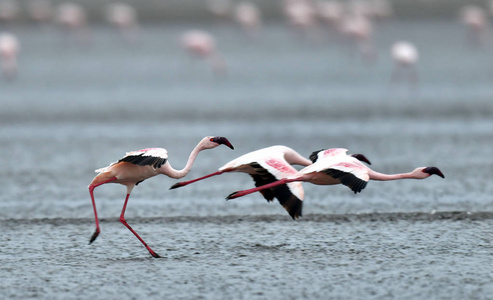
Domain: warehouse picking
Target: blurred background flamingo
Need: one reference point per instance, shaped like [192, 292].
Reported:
[9, 52]
[202, 45]
[405, 56]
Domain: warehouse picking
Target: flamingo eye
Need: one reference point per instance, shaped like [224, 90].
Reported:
[212, 139]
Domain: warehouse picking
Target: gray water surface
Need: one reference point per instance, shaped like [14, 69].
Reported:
[74, 109]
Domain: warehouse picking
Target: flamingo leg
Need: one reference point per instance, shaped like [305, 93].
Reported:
[92, 186]
[122, 220]
[183, 183]
[238, 194]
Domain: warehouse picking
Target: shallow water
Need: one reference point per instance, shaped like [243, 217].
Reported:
[73, 110]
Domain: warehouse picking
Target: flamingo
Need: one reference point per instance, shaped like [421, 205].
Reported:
[476, 22]
[123, 17]
[73, 20]
[334, 166]
[301, 15]
[405, 56]
[201, 44]
[40, 10]
[265, 166]
[358, 28]
[137, 166]
[9, 51]
[248, 15]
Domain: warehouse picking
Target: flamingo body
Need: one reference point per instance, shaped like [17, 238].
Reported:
[137, 166]
[404, 53]
[265, 166]
[336, 167]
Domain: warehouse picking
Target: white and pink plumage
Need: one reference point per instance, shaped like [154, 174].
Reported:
[334, 166]
[476, 22]
[405, 56]
[124, 18]
[358, 28]
[9, 52]
[248, 15]
[201, 44]
[302, 17]
[137, 166]
[267, 165]
[72, 19]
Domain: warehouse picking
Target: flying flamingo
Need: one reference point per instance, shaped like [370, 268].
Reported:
[137, 166]
[203, 45]
[265, 166]
[334, 166]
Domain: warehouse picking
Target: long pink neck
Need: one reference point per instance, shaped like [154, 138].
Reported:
[295, 158]
[183, 172]
[385, 177]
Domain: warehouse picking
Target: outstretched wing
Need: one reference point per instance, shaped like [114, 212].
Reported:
[349, 174]
[155, 157]
[289, 195]
[316, 155]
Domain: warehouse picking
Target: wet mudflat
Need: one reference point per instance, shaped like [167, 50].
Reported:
[408, 256]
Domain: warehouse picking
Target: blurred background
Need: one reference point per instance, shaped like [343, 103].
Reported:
[408, 83]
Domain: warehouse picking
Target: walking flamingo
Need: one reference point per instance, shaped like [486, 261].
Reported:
[9, 51]
[72, 19]
[476, 22]
[202, 45]
[405, 56]
[248, 15]
[265, 166]
[334, 166]
[124, 18]
[137, 166]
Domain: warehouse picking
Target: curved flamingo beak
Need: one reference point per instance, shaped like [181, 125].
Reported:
[362, 158]
[433, 171]
[222, 141]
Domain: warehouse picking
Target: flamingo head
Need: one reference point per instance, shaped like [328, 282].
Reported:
[433, 171]
[361, 157]
[215, 141]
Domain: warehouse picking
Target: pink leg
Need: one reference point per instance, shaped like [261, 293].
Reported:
[183, 183]
[91, 192]
[263, 187]
[122, 219]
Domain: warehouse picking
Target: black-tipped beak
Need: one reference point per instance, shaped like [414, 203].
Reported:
[434, 171]
[222, 141]
[362, 158]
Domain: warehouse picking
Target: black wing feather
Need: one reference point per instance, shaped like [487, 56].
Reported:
[354, 183]
[141, 160]
[282, 193]
[314, 156]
